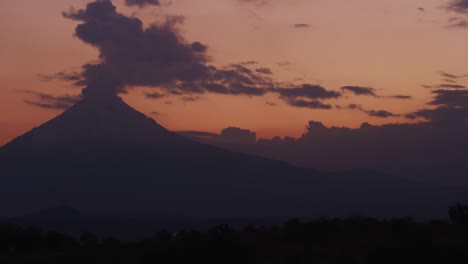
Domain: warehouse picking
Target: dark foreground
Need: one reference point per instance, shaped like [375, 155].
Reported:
[352, 240]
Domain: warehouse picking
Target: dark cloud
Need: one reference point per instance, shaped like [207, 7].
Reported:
[403, 97]
[48, 101]
[373, 113]
[308, 91]
[457, 22]
[459, 6]
[449, 80]
[238, 135]
[199, 47]
[159, 57]
[451, 98]
[451, 86]
[264, 70]
[448, 75]
[354, 107]
[301, 25]
[381, 113]
[451, 108]
[73, 77]
[311, 104]
[358, 90]
[154, 95]
[131, 54]
[251, 62]
[141, 3]
[444, 86]
[307, 96]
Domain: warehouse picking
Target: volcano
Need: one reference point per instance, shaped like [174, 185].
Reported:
[101, 155]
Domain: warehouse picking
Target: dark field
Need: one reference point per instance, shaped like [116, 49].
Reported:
[352, 240]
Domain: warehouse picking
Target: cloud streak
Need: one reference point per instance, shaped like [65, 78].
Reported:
[48, 101]
[359, 90]
[141, 3]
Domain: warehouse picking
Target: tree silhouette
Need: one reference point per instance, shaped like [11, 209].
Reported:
[459, 214]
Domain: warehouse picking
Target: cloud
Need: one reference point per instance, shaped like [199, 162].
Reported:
[264, 70]
[131, 54]
[238, 135]
[450, 98]
[373, 113]
[449, 80]
[451, 86]
[445, 86]
[308, 91]
[381, 113]
[448, 75]
[257, 3]
[307, 96]
[459, 6]
[301, 25]
[154, 95]
[65, 76]
[48, 101]
[159, 57]
[354, 106]
[451, 108]
[251, 62]
[141, 3]
[311, 104]
[457, 22]
[402, 97]
[358, 90]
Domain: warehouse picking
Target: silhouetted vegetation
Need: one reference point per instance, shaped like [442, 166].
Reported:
[353, 240]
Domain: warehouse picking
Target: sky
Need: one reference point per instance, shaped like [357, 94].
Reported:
[370, 61]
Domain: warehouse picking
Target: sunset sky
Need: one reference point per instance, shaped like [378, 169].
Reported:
[389, 49]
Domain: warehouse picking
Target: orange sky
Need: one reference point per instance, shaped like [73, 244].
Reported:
[388, 45]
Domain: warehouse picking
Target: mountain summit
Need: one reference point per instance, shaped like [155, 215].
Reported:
[94, 121]
[102, 155]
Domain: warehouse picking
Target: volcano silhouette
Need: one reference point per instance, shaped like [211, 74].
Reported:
[103, 155]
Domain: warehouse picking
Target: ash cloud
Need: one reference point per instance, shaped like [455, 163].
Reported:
[159, 57]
